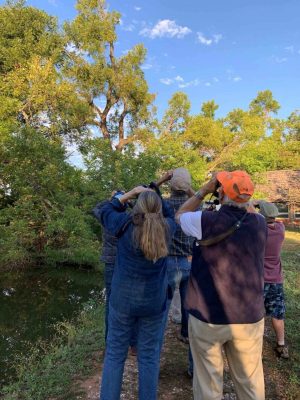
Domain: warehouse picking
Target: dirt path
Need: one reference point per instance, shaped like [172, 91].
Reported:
[174, 382]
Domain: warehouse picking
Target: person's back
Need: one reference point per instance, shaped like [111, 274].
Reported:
[272, 262]
[225, 293]
[139, 288]
[140, 284]
[228, 274]
[273, 277]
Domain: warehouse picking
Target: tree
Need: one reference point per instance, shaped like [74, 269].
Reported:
[33, 91]
[42, 216]
[264, 104]
[114, 88]
[293, 126]
[176, 116]
[26, 31]
[209, 108]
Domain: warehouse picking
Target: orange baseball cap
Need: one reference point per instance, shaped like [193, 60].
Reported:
[237, 185]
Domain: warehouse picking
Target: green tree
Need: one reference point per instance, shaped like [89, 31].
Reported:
[33, 91]
[264, 104]
[209, 108]
[293, 126]
[25, 31]
[114, 88]
[176, 116]
[43, 219]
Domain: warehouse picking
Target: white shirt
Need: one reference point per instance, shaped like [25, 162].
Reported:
[190, 223]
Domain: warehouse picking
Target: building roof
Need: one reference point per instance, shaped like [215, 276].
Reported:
[280, 186]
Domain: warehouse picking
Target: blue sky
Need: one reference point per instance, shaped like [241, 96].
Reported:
[221, 50]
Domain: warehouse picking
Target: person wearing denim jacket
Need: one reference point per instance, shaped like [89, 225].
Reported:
[138, 296]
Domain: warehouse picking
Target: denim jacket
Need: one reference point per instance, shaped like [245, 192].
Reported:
[139, 286]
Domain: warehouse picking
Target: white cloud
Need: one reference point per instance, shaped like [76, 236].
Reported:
[216, 79]
[207, 84]
[178, 78]
[208, 41]
[237, 79]
[166, 81]
[137, 8]
[280, 60]
[195, 82]
[147, 66]
[290, 49]
[203, 40]
[166, 28]
[217, 37]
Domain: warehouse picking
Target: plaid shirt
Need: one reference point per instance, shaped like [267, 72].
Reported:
[182, 245]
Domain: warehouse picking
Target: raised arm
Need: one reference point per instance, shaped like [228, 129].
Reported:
[196, 199]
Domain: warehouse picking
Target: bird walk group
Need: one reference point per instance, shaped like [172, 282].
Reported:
[223, 260]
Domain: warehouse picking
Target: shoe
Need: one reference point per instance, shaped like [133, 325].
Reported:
[183, 339]
[282, 351]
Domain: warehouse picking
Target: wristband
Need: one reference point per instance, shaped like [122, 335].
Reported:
[199, 194]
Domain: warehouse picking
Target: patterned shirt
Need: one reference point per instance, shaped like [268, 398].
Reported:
[182, 245]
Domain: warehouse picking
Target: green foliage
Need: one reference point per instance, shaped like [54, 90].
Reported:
[100, 76]
[264, 104]
[177, 115]
[26, 31]
[108, 169]
[47, 371]
[41, 215]
[209, 109]
[33, 91]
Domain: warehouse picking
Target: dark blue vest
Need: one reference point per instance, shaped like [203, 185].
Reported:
[226, 281]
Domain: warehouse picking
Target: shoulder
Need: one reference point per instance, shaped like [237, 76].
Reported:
[190, 223]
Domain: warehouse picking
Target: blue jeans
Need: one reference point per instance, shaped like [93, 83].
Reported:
[121, 327]
[108, 274]
[178, 270]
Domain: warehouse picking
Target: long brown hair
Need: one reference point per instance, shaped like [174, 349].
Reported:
[150, 231]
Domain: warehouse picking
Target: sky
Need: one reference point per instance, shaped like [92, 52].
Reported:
[222, 50]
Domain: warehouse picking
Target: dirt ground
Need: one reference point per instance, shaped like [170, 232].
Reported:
[174, 382]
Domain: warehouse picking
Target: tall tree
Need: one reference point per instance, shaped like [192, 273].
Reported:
[176, 116]
[293, 126]
[33, 91]
[264, 104]
[113, 87]
[209, 108]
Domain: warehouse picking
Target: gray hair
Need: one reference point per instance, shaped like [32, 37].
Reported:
[226, 200]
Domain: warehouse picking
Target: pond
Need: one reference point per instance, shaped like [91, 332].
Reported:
[32, 302]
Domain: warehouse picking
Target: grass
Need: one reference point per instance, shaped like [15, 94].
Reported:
[291, 267]
[48, 371]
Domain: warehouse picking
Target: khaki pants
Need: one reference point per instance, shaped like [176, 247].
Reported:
[243, 347]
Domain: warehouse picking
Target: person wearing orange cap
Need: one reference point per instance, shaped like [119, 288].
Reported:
[225, 292]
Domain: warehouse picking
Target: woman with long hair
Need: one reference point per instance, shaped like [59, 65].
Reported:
[139, 287]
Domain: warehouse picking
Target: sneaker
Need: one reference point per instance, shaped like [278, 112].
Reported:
[183, 339]
[282, 351]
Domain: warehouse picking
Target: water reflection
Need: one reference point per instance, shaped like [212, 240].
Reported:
[31, 302]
